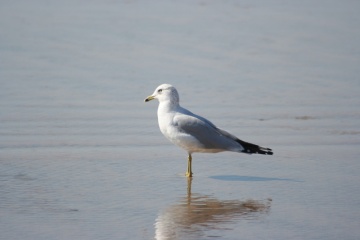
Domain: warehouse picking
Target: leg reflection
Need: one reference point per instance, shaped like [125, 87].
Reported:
[196, 214]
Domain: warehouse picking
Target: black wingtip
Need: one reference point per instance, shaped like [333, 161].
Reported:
[252, 148]
[268, 151]
[265, 151]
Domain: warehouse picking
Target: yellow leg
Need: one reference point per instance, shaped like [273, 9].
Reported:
[189, 167]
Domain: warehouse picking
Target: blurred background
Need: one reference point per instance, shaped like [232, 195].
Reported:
[81, 154]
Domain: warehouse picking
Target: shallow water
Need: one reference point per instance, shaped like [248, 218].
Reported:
[81, 154]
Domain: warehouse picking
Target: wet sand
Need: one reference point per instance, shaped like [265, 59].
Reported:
[81, 154]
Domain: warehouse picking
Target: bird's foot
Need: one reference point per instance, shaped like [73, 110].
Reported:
[188, 174]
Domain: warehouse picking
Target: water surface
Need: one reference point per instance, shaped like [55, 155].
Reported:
[81, 154]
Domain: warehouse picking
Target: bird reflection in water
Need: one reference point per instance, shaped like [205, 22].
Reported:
[196, 214]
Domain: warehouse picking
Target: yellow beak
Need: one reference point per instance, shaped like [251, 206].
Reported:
[149, 98]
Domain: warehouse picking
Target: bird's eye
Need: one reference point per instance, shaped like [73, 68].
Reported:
[160, 90]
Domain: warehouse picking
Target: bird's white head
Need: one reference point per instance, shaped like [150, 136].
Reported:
[165, 92]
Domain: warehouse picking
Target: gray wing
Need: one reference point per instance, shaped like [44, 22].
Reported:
[206, 132]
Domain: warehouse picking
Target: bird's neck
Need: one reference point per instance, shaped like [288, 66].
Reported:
[168, 106]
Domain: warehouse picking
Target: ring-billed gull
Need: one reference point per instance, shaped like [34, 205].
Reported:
[193, 132]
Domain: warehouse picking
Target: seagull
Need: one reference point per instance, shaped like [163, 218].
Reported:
[192, 132]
